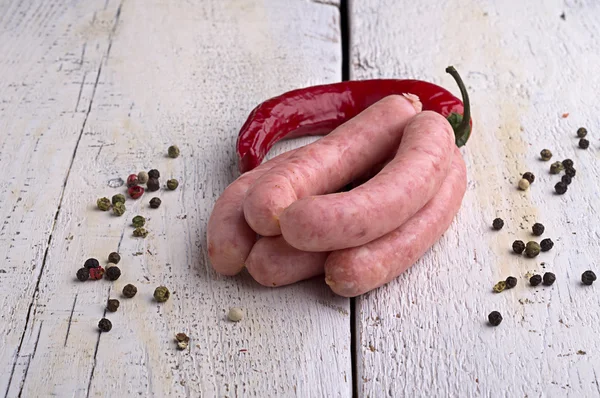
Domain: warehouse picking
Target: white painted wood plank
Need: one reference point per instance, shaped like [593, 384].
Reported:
[185, 73]
[425, 334]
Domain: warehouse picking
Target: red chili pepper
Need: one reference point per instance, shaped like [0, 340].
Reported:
[317, 110]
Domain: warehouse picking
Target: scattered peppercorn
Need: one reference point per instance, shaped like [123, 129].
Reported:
[570, 171]
[103, 204]
[546, 244]
[96, 273]
[83, 274]
[118, 198]
[143, 177]
[182, 340]
[588, 277]
[581, 132]
[235, 314]
[105, 325]
[135, 191]
[155, 203]
[132, 180]
[535, 280]
[119, 209]
[548, 278]
[114, 258]
[173, 151]
[495, 318]
[154, 174]
[129, 290]
[532, 249]
[113, 273]
[153, 184]
[566, 179]
[556, 167]
[138, 221]
[523, 184]
[497, 224]
[560, 188]
[546, 154]
[112, 305]
[161, 294]
[511, 282]
[91, 263]
[499, 287]
[172, 184]
[518, 246]
[529, 177]
[140, 232]
[567, 163]
[583, 143]
[538, 229]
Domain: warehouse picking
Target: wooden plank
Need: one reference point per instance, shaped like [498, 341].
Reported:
[426, 333]
[185, 73]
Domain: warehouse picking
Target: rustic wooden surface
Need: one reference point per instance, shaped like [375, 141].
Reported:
[93, 90]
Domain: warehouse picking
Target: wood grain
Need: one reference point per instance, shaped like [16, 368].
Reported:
[425, 334]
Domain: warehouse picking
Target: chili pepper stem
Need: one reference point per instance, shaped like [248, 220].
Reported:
[463, 130]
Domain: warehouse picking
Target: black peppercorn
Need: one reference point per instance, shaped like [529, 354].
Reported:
[538, 229]
[511, 282]
[154, 174]
[153, 184]
[114, 258]
[549, 278]
[91, 263]
[581, 132]
[560, 188]
[588, 277]
[529, 177]
[495, 318]
[113, 273]
[155, 203]
[570, 171]
[112, 305]
[104, 325]
[518, 246]
[497, 224]
[566, 179]
[546, 244]
[129, 290]
[535, 280]
[583, 143]
[567, 163]
[83, 274]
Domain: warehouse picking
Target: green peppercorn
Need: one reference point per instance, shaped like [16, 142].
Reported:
[172, 184]
[570, 171]
[112, 305]
[118, 198]
[560, 188]
[566, 179]
[581, 132]
[83, 274]
[119, 209]
[114, 258]
[511, 282]
[129, 290]
[538, 229]
[138, 221]
[161, 294]
[556, 167]
[113, 273]
[143, 177]
[546, 244]
[518, 246]
[155, 203]
[546, 154]
[567, 163]
[588, 277]
[583, 143]
[497, 224]
[494, 318]
[153, 184]
[91, 263]
[154, 174]
[500, 286]
[532, 249]
[548, 279]
[535, 280]
[182, 340]
[529, 177]
[103, 204]
[104, 325]
[173, 151]
[140, 232]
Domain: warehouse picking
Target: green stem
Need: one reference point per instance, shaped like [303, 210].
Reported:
[463, 130]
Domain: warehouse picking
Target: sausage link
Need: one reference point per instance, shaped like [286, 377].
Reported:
[354, 271]
[382, 204]
[329, 163]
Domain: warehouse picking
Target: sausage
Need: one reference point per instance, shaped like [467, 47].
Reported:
[354, 271]
[273, 262]
[229, 238]
[329, 163]
[348, 219]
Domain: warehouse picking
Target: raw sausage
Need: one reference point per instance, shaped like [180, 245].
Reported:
[329, 163]
[382, 204]
[357, 270]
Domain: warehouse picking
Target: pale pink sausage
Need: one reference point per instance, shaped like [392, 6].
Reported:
[329, 163]
[273, 262]
[229, 238]
[354, 271]
[382, 204]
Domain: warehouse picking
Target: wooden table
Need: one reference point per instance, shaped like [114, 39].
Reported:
[93, 90]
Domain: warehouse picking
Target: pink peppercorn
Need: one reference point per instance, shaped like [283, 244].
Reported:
[132, 180]
[96, 273]
[135, 191]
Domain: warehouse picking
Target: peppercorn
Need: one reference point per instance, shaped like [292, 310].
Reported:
[497, 224]
[155, 203]
[96, 273]
[113, 273]
[529, 177]
[182, 340]
[523, 184]
[143, 177]
[129, 290]
[103, 204]
[109, 265]
[583, 143]
[138, 221]
[532, 249]
[112, 305]
[140, 232]
[83, 274]
[114, 258]
[546, 154]
[538, 229]
[581, 132]
[548, 278]
[567, 163]
[518, 246]
[235, 314]
[546, 244]
[495, 318]
[154, 174]
[511, 282]
[118, 198]
[91, 263]
[560, 188]
[173, 151]
[556, 167]
[119, 209]
[172, 184]
[570, 171]
[153, 184]
[132, 180]
[161, 294]
[566, 179]
[535, 280]
[135, 191]
[500, 286]
[104, 325]
[588, 277]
